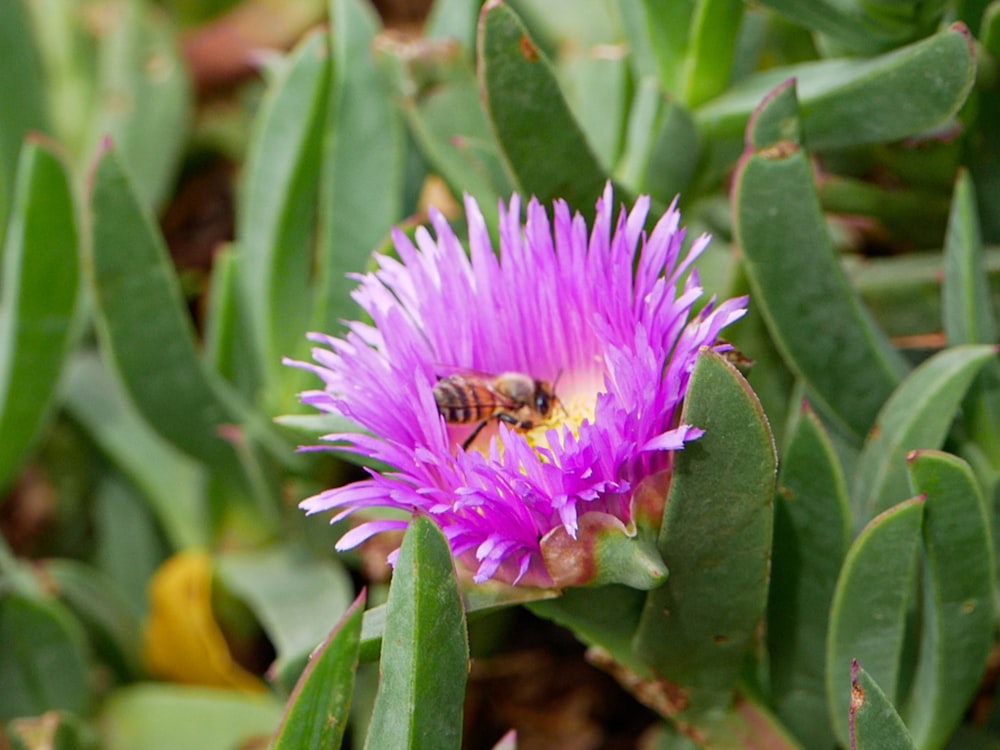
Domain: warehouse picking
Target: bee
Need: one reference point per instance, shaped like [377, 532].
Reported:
[510, 397]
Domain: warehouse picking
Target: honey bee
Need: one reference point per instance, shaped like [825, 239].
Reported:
[510, 397]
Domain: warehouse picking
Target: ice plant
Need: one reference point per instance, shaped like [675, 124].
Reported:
[604, 315]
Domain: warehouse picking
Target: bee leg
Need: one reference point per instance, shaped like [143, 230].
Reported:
[521, 424]
[473, 435]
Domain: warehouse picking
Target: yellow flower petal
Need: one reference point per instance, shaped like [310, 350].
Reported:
[183, 642]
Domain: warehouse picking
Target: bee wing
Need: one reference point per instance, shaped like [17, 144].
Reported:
[466, 373]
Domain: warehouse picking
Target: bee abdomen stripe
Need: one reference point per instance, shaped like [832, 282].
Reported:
[459, 405]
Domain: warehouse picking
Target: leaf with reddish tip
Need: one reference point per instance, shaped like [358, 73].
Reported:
[917, 416]
[868, 614]
[317, 711]
[874, 722]
[816, 319]
[603, 552]
[530, 116]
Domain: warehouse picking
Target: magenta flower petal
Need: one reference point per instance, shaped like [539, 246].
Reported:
[606, 316]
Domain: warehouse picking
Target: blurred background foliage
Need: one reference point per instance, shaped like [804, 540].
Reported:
[184, 186]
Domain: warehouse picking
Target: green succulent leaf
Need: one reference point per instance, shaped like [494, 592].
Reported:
[868, 614]
[425, 651]
[904, 292]
[812, 532]
[92, 597]
[661, 152]
[129, 547]
[966, 301]
[363, 163]
[437, 91]
[23, 105]
[874, 722]
[530, 116]
[819, 325]
[959, 611]
[278, 209]
[916, 416]
[317, 711]
[864, 26]
[294, 599]
[853, 101]
[44, 662]
[605, 616]
[478, 599]
[168, 480]
[145, 98]
[968, 313]
[38, 302]
[705, 39]
[715, 540]
[158, 716]
[454, 19]
[145, 328]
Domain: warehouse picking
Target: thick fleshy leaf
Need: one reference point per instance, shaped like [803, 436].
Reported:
[983, 131]
[866, 26]
[853, 101]
[22, 106]
[904, 292]
[277, 211]
[591, 63]
[145, 98]
[967, 305]
[602, 552]
[169, 481]
[363, 163]
[969, 315]
[910, 217]
[425, 653]
[661, 147]
[868, 615]
[43, 658]
[695, 43]
[226, 340]
[818, 324]
[157, 716]
[38, 300]
[812, 532]
[874, 722]
[606, 616]
[455, 20]
[145, 327]
[530, 116]
[958, 607]
[917, 416]
[128, 541]
[695, 629]
[436, 88]
[478, 599]
[93, 598]
[317, 711]
[294, 599]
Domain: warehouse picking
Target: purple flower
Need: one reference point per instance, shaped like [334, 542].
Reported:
[604, 316]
